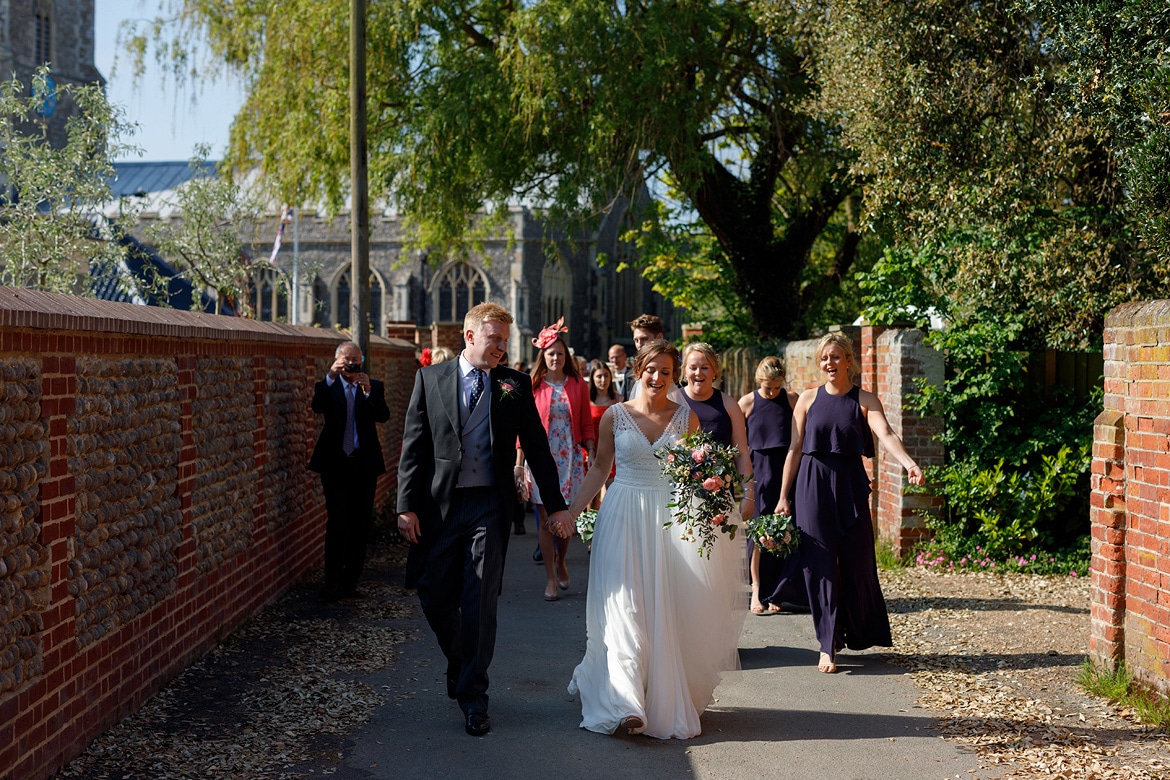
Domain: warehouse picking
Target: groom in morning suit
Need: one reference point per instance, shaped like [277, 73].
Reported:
[456, 496]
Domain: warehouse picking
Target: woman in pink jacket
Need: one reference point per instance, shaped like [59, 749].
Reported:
[562, 398]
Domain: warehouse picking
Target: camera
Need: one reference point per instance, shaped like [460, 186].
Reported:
[353, 368]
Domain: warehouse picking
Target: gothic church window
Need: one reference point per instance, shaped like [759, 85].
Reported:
[268, 295]
[342, 292]
[43, 32]
[557, 292]
[456, 289]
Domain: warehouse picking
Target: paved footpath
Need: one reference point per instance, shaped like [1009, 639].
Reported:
[780, 719]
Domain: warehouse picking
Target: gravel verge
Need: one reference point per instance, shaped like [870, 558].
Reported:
[996, 657]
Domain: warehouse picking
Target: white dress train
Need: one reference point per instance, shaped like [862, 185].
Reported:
[663, 623]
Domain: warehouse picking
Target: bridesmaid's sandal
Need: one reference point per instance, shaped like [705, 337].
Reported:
[774, 610]
[828, 664]
[632, 724]
[550, 593]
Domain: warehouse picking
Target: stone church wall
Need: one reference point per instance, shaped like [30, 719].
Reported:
[153, 495]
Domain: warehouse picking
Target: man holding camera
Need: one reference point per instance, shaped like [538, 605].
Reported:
[348, 456]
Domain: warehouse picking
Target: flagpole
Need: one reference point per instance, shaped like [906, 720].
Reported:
[295, 307]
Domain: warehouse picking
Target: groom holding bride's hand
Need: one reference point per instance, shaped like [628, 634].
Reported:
[456, 496]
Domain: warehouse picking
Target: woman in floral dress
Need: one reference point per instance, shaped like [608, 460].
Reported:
[562, 398]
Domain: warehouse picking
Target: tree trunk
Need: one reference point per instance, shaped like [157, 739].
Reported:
[768, 267]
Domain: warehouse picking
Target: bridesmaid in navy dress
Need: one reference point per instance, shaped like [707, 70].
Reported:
[718, 413]
[832, 428]
[768, 411]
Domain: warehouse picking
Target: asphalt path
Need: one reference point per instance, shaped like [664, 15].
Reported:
[779, 718]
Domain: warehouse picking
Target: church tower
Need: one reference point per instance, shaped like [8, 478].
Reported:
[59, 32]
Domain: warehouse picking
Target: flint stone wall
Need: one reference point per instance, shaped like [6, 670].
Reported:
[153, 495]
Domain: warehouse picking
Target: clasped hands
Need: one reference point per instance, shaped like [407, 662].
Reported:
[561, 523]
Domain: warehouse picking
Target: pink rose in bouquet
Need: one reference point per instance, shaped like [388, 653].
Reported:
[712, 484]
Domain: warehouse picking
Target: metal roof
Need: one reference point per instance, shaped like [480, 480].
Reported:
[144, 178]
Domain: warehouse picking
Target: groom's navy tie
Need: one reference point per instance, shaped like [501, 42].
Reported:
[476, 389]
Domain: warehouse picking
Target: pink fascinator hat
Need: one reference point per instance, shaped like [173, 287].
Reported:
[546, 337]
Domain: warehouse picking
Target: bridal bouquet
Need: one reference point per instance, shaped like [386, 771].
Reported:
[585, 522]
[775, 533]
[704, 476]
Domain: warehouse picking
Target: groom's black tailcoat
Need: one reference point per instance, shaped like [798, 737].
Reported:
[458, 562]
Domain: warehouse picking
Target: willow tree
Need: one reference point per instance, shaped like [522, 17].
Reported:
[563, 103]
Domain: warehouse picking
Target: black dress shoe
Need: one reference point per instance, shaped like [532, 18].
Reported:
[519, 530]
[478, 723]
[538, 556]
[451, 688]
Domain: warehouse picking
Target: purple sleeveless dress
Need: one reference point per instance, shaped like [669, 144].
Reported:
[713, 416]
[769, 431]
[832, 512]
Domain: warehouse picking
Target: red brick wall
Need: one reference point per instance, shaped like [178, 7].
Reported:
[1131, 497]
[893, 361]
[153, 495]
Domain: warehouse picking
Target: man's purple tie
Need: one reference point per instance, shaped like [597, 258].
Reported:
[347, 441]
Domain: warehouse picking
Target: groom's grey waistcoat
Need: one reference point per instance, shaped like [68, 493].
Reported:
[475, 468]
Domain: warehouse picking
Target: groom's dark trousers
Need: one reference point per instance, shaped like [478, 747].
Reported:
[458, 562]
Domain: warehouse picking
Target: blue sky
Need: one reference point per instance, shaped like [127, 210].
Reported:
[171, 122]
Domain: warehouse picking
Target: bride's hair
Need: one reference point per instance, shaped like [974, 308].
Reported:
[653, 349]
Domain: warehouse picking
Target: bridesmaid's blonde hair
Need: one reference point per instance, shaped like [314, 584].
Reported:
[707, 351]
[839, 340]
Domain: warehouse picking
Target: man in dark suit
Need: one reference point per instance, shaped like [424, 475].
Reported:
[348, 456]
[645, 328]
[456, 494]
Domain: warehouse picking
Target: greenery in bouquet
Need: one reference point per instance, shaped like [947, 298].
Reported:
[705, 478]
[585, 522]
[777, 534]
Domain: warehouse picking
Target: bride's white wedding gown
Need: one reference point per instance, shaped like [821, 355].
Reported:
[663, 622]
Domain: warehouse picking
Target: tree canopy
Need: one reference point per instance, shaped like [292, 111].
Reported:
[565, 104]
[1012, 153]
[1000, 197]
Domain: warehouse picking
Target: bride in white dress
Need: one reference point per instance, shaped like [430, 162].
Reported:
[663, 622]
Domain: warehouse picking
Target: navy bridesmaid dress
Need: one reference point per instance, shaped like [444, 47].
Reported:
[713, 416]
[832, 512]
[769, 432]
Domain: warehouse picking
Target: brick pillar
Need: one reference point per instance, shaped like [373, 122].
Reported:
[402, 329]
[1108, 519]
[449, 335]
[901, 358]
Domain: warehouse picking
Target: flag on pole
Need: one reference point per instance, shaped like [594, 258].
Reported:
[285, 218]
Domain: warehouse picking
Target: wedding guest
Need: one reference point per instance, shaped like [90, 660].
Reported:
[832, 429]
[602, 395]
[718, 413]
[348, 456]
[768, 411]
[562, 399]
[618, 367]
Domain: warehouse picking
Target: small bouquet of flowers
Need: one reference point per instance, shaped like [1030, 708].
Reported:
[777, 534]
[585, 522]
[705, 478]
